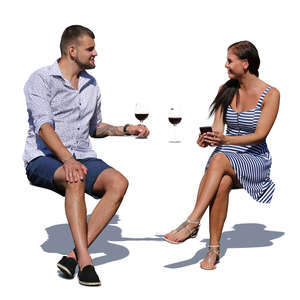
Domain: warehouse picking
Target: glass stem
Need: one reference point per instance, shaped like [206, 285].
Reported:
[174, 133]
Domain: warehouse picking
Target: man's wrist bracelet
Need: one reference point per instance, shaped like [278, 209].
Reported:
[67, 159]
[125, 129]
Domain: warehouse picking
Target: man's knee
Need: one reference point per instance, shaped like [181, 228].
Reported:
[119, 186]
[75, 186]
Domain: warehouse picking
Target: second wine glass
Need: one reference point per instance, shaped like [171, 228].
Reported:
[175, 117]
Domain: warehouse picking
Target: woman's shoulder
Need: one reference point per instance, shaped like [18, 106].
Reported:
[272, 97]
[273, 92]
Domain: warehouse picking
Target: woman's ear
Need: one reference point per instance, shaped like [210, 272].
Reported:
[245, 65]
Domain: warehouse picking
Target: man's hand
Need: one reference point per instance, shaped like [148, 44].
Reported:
[74, 170]
[138, 130]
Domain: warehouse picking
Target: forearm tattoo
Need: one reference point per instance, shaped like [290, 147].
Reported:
[108, 130]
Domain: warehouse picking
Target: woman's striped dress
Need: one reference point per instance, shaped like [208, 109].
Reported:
[251, 163]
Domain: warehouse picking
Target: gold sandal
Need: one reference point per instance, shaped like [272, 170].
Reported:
[211, 250]
[192, 232]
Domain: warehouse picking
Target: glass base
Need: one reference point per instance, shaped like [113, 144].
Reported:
[141, 137]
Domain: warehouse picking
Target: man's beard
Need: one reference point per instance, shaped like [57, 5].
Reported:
[82, 65]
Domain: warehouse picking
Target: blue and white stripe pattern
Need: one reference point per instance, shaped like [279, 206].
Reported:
[251, 163]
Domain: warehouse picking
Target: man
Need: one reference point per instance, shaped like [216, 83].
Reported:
[63, 103]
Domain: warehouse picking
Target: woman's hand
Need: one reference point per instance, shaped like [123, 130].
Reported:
[201, 141]
[74, 170]
[214, 138]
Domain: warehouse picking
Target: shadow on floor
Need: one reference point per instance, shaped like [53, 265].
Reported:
[243, 236]
[60, 241]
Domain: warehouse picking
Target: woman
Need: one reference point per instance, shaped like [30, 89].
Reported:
[248, 106]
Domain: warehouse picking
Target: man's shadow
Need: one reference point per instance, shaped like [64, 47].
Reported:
[243, 236]
[60, 241]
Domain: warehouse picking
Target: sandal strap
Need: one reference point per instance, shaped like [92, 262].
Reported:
[185, 223]
[211, 251]
[212, 248]
[193, 222]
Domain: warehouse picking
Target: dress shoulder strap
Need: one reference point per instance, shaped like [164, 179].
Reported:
[261, 98]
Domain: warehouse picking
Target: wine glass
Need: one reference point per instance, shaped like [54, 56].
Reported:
[141, 113]
[175, 117]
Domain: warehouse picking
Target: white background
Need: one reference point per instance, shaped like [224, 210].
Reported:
[158, 52]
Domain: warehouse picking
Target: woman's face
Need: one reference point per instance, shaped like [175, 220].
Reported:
[235, 66]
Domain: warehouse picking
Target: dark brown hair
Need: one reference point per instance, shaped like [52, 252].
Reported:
[71, 34]
[243, 50]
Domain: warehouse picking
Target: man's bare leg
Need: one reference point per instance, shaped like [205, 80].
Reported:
[76, 214]
[112, 186]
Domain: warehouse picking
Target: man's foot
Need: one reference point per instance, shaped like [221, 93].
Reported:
[188, 229]
[212, 258]
[88, 276]
[67, 265]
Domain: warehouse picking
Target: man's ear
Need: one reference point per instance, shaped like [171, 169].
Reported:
[72, 51]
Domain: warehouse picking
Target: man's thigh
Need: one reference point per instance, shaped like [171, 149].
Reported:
[96, 168]
[41, 172]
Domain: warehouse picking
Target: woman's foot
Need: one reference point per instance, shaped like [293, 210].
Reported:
[188, 229]
[212, 258]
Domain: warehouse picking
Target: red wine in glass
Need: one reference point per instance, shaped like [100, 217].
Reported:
[175, 117]
[141, 117]
[174, 121]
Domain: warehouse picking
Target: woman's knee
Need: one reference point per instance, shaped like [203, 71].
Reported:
[219, 160]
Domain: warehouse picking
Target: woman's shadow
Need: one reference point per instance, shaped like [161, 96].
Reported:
[243, 236]
[60, 241]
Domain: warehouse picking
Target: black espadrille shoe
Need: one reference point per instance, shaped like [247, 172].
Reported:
[67, 265]
[88, 276]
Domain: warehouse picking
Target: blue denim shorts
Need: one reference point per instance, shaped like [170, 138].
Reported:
[40, 172]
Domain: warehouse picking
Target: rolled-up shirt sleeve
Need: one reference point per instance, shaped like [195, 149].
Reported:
[37, 95]
[97, 116]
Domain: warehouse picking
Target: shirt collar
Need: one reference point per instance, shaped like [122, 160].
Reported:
[55, 70]
[84, 76]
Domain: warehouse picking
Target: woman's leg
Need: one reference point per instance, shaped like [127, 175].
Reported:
[217, 215]
[219, 167]
[218, 210]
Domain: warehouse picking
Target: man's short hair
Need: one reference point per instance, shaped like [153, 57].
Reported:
[71, 34]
